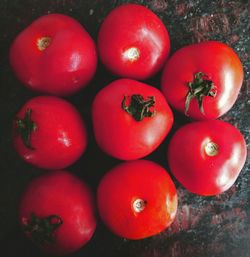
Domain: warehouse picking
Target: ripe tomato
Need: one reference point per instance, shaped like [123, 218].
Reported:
[49, 133]
[57, 212]
[206, 157]
[130, 119]
[133, 42]
[203, 80]
[137, 199]
[54, 55]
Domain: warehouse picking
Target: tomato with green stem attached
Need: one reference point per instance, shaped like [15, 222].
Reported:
[49, 133]
[130, 119]
[203, 80]
[57, 212]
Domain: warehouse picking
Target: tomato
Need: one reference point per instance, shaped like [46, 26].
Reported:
[206, 157]
[137, 199]
[130, 119]
[203, 80]
[49, 133]
[133, 42]
[54, 55]
[57, 212]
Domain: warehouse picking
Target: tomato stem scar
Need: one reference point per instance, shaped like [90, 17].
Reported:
[43, 43]
[211, 149]
[139, 205]
[132, 54]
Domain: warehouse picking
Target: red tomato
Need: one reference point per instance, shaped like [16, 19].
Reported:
[54, 55]
[130, 119]
[133, 42]
[57, 212]
[49, 133]
[137, 199]
[206, 157]
[203, 80]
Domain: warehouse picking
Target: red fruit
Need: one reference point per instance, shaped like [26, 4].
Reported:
[203, 80]
[49, 133]
[207, 157]
[57, 212]
[133, 42]
[130, 118]
[54, 55]
[137, 199]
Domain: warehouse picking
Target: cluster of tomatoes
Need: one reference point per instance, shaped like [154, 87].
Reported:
[137, 198]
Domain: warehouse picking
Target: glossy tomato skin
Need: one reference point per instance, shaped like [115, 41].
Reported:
[62, 194]
[63, 65]
[59, 138]
[118, 133]
[221, 65]
[199, 165]
[128, 182]
[133, 42]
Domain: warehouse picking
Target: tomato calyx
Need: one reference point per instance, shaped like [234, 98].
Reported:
[201, 86]
[42, 230]
[25, 127]
[43, 43]
[138, 107]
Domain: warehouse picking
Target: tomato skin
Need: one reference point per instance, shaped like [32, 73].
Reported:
[65, 66]
[60, 137]
[198, 171]
[215, 59]
[65, 195]
[118, 133]
[133, 26]
[130, 181]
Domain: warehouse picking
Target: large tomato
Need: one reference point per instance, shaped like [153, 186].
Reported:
[130, 119]
[137, 199]
[133, 42]
[49, 133]
[203, 80]
[206, 157]
[54, 55]
[57, 212]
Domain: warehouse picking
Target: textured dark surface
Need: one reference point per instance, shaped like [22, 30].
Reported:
[205, 226]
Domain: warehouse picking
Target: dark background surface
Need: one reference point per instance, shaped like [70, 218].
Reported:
[205, 226]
